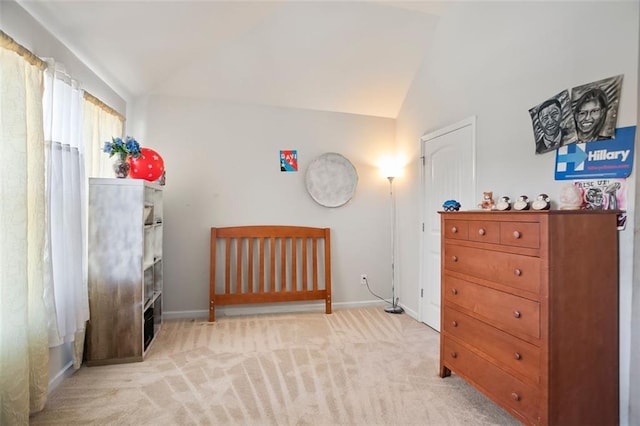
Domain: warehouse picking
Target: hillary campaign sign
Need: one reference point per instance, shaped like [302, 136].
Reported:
[609, 158]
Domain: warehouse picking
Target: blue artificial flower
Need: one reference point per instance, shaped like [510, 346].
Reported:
[130, 148]
[133, 147]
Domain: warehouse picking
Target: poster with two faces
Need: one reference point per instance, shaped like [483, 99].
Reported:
[588, 113]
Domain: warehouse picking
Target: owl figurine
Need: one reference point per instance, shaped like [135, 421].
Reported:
[522, 203]
[504, 203]
[542, 202]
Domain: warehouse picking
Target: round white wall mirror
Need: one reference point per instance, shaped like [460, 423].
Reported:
[331, 180]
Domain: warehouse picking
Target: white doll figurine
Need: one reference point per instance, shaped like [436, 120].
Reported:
[570, 197]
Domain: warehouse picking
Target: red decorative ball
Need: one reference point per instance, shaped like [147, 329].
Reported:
[149, 165]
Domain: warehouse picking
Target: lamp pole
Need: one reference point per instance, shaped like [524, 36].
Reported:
[394, 308]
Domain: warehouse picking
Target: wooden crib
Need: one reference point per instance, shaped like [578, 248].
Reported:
[269, 264]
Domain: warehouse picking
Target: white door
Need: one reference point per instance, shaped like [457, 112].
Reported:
[448, 172]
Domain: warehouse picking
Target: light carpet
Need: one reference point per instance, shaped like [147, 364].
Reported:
[353, 367]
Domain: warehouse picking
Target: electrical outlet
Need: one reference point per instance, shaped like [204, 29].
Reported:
[363, 279]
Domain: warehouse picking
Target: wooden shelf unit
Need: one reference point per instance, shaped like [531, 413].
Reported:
[125, 229]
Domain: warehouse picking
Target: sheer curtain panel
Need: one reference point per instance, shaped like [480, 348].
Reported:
[66, 198]
[24, 353]
[101, 123]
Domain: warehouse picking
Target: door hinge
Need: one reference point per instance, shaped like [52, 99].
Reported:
[422, 226]
[422, 292]
[422, 158]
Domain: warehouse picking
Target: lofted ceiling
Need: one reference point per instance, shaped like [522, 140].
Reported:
[355, 57]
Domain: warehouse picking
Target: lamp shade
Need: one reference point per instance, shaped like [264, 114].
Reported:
[390, 168]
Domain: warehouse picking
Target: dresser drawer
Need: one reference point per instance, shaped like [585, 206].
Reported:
[484, 231]
[514, 270]
[510, 351]
[505, 389]
[456, 229]
[520, 234]
[511, 313]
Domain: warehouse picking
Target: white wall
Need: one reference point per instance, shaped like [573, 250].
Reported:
[26, 30]
[495, 61]
[222, 163]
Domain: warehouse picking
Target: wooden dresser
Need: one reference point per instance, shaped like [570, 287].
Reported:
[530, 312]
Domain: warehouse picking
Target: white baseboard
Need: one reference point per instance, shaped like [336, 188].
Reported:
[228, 311]
[413, 314]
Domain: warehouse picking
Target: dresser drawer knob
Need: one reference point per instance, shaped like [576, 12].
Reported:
[455, 258]
[517, 271]
[481, 231]
[516, 235]
[454, 355]
[454, 291]
[454, 323]
[517, 314]
[515, 396]
[517, 356]
[454, 230]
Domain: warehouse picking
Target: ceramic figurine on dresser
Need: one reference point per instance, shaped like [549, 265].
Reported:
[570, 197]
[542, 202]
[503, 204]
[522, 203]
[487, 202]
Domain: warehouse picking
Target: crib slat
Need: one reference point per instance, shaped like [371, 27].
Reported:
[314, 254]
[272, 263]
[283, 264]
[304, 264]
[294, 264]
[261, 254]
[227, 266]
[239, 265]
[250, 267]
[327, 270]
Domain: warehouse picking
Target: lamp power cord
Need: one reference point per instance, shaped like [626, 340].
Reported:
[381, 298]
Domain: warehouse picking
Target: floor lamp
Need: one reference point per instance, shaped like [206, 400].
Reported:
[394, 308]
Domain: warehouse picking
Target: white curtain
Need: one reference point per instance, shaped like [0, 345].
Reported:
[66, 197]
[100, 126]
[24, 353]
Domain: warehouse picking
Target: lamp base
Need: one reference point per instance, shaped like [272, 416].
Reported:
[394, 310]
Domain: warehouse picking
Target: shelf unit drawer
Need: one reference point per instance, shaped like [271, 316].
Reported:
[513, 270]
[511, 313]
[513, 353]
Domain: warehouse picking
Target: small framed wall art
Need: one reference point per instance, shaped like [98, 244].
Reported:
[289, 160]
